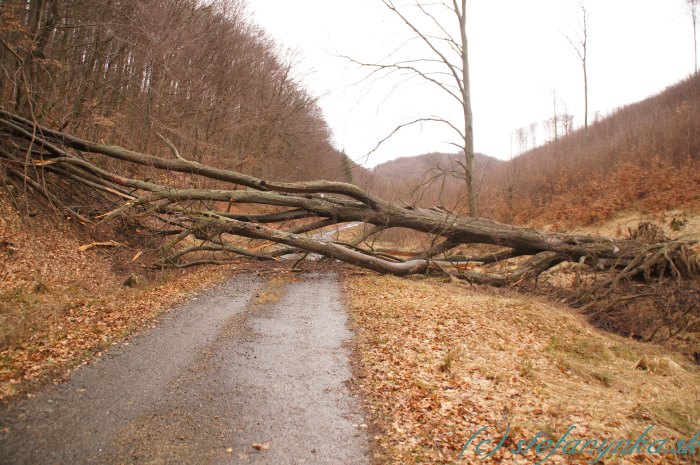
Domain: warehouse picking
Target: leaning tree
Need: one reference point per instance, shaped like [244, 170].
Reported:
[289, 216]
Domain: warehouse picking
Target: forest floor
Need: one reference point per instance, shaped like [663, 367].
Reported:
[253, 371]
[438, 361]
[434, 361]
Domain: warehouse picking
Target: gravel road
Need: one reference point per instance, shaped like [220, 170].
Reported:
[216, 381]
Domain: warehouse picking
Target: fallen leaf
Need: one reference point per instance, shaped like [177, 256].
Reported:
[83, 248]
[261, 446]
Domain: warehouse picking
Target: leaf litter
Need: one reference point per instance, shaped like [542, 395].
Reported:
[437, 361]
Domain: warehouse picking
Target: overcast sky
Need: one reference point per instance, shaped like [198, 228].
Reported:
[518, 57]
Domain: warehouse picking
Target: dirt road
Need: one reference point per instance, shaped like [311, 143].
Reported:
[213, 378]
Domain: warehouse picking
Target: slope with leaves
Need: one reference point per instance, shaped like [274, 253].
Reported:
[645, 157]
[60, 305]
[438, 361]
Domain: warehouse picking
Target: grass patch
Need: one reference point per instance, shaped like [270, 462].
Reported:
[625, 352]
[589, 349]
[272, 291]
[680, 416]
[450, 357]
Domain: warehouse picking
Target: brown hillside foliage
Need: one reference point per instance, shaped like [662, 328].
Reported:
[198, 73]
[645, 157]
[427, 180]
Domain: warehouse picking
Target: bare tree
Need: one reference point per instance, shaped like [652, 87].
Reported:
[554, 121]
[567, 120]
[533, 135]
[580, 45]
[441, 27]
[523, 138]
[693, 6]
[47, 161]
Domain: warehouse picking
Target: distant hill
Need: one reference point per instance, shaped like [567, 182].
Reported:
[644, 157]
[421, 179]
[414, 167]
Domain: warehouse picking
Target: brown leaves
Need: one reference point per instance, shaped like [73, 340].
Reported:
[85, 247]
[439, 361]
[91, 323]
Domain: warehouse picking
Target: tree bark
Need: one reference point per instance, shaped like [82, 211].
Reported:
[30, 152]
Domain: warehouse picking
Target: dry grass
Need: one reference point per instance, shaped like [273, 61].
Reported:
[273, 290]
[687, 221]
[60, 306]
[438, 361]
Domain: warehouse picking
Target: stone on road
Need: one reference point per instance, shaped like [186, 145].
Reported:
[217, 381]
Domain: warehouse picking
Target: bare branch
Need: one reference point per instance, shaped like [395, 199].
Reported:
[411, 123]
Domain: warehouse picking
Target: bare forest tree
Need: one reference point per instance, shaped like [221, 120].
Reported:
[579, 44]
[554, 122]
[441, 27]
[693, 7]
[524, 137]
[533, 134]
[196, 74]
[48, 162]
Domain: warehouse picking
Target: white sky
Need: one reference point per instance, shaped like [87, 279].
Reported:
[518, 56]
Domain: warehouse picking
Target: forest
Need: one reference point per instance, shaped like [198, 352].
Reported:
[149, 149]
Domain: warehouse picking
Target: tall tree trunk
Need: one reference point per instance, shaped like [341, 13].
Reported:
[585, 95]
[193, 212]
[468, 117]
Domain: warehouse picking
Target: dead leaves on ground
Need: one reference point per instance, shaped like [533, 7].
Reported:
[439, 361]
[89, 323]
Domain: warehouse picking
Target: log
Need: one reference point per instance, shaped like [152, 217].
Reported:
[30, 151]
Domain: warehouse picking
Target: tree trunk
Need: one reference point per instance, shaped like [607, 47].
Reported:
[193, 212]
[468, 117]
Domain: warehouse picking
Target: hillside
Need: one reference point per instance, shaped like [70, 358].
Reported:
[427, 180]
[194, 78]
[413, 168]
[644, 157]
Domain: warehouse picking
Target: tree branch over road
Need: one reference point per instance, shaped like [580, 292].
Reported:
[48, 160]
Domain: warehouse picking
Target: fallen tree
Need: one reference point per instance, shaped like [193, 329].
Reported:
[45, 160]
